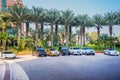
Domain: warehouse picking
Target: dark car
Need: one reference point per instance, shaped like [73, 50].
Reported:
[64, 50]
[39, 51]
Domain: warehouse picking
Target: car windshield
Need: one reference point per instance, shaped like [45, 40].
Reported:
[86, 48]
[52, 49]
[7, 53]
[110, 49]
[65, 49]
[39, 49]
[75, 48]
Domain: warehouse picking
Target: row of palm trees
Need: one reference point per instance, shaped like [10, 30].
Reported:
[16, 15]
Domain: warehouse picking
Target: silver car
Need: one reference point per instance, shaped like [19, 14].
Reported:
[111, 52]
[8, 54]
[75, 51]
[88, 51]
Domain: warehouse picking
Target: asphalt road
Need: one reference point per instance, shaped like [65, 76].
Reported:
[98, 67]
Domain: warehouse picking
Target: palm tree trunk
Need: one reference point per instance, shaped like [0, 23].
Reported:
[56, 29]
[110, 30]
[52, 35]
[36, 34]
[19, 33]
[27, 28]
[70, 33]
[67, 36]
[98, 33]
[62, 39]
[42, 30]
[83, 35]
[78, 39]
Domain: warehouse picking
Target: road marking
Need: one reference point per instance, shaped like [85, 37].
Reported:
[7, 71]
[2, 70]
[16, 72]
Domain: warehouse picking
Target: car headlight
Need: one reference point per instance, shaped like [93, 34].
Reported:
[118, 52]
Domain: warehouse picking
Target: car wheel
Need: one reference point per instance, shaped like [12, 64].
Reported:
[45, 55]
[32, 53]
[37, 55]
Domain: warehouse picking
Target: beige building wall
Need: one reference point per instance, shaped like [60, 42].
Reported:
[10, 3]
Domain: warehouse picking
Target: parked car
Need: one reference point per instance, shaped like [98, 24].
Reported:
[8, 54]
[75, 51]
[52, 52]
[88, 51]
[39, 51]
[111, 51]
[64, 50]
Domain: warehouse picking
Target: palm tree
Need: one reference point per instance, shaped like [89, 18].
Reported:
[52, 17]
[72, 24]
[42, 20]
[36, 15]
[110, 20]
[5, 20]
[98, 22]
[84, 21]
[67, 17]
[19, 14]
[3, 38]
[28, 20]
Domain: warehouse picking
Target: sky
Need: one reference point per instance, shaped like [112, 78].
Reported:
[89, 7]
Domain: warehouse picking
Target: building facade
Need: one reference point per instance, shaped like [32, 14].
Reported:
[4, 4]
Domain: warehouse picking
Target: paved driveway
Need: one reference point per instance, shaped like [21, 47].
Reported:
[98, 67]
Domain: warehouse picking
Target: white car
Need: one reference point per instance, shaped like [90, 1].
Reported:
[111, 52]
[75, 51]
[88, 51]
[8, 54]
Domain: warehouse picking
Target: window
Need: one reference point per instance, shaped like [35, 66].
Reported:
[3, 5]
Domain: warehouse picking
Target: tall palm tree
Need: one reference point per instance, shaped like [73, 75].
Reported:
[67, 17]
[5, 21]
[19, 15]
[110, 20]
[72, 24]
[84, 21]
[52, 17]
[98, 22]
[36, 15]
[28, 20]
[42, 20]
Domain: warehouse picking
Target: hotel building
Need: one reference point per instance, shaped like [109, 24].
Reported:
[4, 4]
